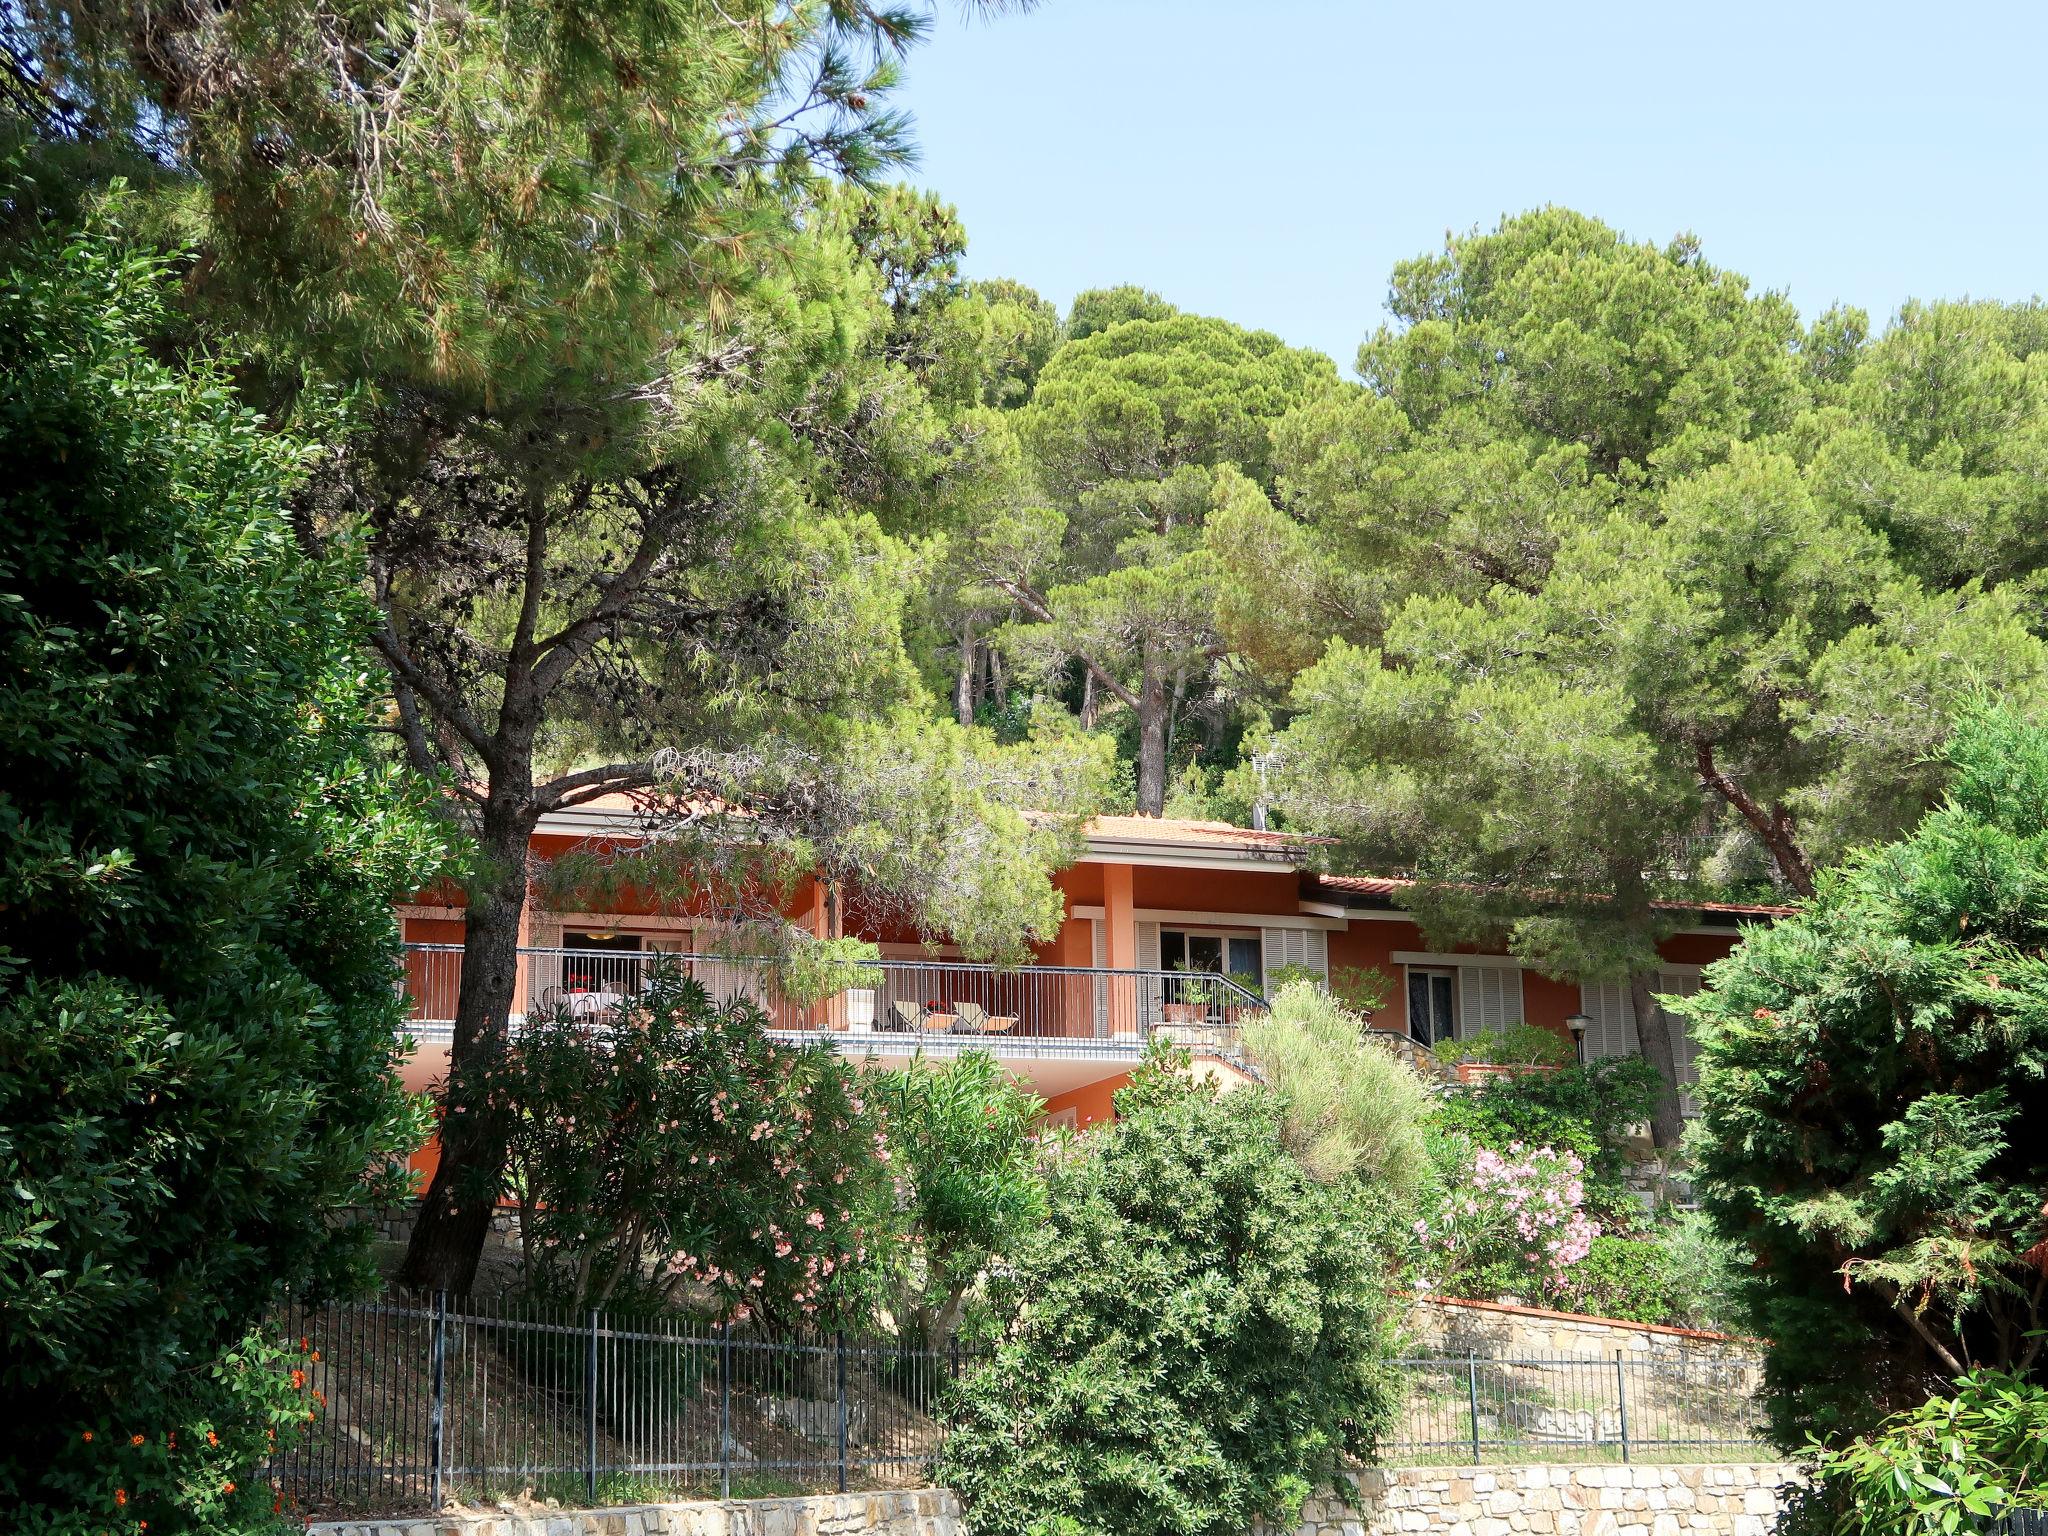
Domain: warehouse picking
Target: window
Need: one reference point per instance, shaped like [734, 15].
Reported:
[1228, 954]
[1430, 1016]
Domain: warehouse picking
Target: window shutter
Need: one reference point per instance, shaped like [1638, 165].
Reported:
[543, 972]
[1613, 1030]
[1099, 953]
[1308, 947]
[1489, 998]
[1148, 946]
[1683, 1051]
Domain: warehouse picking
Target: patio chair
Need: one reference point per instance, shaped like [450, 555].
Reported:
[906, 1017]
[969, 1019]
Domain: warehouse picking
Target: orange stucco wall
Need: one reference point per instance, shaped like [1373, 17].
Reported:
[1216, 890]
[1090, 1102]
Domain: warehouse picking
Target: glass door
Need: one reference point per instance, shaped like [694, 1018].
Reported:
[1429, 1006]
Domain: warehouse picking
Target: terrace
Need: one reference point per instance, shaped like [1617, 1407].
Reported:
[896, 1009]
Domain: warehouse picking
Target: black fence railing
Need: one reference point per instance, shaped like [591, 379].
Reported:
[424, 1403]
[1559, 1408]
[887, 1005]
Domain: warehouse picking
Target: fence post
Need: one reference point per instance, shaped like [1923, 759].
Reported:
[1472, 1397]
[841, 1347]
[725, 1410]
[1621, 1401]
[590, 1410]
[436, 1426]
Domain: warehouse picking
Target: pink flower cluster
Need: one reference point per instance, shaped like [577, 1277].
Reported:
[1526, 1204]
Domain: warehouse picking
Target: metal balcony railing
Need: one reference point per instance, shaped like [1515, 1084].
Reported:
[896, 1005]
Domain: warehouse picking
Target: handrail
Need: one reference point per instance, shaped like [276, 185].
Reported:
[1229, 992]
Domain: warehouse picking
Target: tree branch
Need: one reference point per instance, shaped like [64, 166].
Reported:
[1774, 827]
[1035, 605]
[562, 650]
[588, 784]
[439, 699]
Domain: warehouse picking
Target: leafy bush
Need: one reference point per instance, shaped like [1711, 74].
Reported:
[199, 850]
[1624, 1277]
[1585, 1110]
[679, 1140]
[1352, 1109]
[1951, 1464]
[1516, 1045]
[1202, 1336]
[1873, 1083]
[1703, 1275]
[962, 1138]
[1510, 1223]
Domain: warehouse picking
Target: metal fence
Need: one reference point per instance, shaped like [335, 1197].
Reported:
[429, 1402]
[1559, 1408]
[894, 1004]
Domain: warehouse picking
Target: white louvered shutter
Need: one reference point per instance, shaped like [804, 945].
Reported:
[1613, 1030]
[543, 971]
[1309, 947]
[1099, 953]
[1148, 946]
[1681, 984]
[1489, 998]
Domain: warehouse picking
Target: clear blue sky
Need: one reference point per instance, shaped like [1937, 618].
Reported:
[1269, 162]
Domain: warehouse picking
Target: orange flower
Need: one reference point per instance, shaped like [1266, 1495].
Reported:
[212, 1438]
[320, 1398]
[316, 1357]
[120, 1495]
[135, 1439]
[298, 1377]
[87, 1437]
[227, 1487]
[304, 1344]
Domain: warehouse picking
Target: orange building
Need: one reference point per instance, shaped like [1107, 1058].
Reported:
[1172, 928]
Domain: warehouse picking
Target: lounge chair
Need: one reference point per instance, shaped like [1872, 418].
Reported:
[969, 1019]
[905, 1017]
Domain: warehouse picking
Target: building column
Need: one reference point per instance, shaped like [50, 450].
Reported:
[1120, 933]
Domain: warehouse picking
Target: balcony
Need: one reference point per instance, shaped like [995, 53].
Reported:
[898, 1008]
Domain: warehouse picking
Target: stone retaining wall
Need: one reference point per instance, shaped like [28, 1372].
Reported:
[1492, 1331]
[1739, 1500]
[898, 1512]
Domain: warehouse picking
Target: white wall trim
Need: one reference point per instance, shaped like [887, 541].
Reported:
[1237, 919]
[630, 922]
[1420, 957]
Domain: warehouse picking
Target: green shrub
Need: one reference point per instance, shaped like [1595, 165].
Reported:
[1951, 1464]
[962, 1137]
[1353, 1109]
[1624, 1277]
[1704, 1274]
[1202, 1335]
[1585, 1110]
[1517, 1045]
[1873, 1087]
[682, 1143]
[199, 849]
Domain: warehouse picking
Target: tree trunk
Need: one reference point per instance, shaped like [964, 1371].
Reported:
[455, 1214]
[1653, 1034]
[1152, 740]
[963, 677]
[1087, 699]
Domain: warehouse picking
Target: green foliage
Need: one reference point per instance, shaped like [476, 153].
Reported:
[1583, 1109]
[1202, 1336]
[1517, 1045]
[1352, 1108]
[1624, 1277]
[961, 1138]
[1162, 1078]
[141, 1466]
[200, 849]
[677, 1141]
[1951, 1464]
[1871, 1070]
